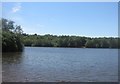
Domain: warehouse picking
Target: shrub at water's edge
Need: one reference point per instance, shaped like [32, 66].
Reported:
[11, 42]
[11, 37]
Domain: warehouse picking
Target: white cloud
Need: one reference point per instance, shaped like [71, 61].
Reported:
[16, 8]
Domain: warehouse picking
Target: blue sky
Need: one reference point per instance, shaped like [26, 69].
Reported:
[93, 19]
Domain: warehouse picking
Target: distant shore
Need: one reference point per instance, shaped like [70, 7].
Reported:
[70, 41]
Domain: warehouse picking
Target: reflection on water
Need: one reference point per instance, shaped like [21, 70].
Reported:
[37, 64]
[12, 58]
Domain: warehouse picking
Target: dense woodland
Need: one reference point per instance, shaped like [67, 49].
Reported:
[69, 41]
[13, 39]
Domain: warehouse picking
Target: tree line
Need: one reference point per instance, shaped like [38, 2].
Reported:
[69, 41]
[13, 39]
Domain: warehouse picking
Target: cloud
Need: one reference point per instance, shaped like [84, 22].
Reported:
[16, 8]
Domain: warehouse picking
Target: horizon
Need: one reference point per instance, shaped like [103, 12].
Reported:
[74, 35]
[88, 19]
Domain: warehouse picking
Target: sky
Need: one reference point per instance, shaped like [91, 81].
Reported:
[91, 19]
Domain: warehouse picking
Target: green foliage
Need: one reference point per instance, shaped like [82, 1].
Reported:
[69, 41]
[11, 40]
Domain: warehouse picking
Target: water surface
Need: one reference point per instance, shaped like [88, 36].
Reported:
[38, 64]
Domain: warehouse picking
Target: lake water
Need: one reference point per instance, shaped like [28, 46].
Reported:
[38, 64]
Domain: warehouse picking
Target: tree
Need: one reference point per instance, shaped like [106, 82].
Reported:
[7, 25]
[18, 30]
[89, 44]
[11, 42]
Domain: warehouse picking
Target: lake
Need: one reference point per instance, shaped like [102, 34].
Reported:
[45, 64]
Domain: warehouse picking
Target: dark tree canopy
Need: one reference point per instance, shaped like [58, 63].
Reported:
[11, 36]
